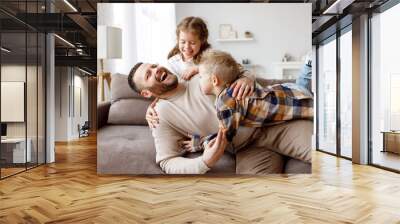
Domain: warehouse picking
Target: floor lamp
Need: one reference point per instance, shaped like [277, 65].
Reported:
[109, 46]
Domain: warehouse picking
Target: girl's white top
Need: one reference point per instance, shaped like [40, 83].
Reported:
[177, 65]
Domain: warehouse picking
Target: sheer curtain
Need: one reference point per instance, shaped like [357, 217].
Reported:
[155, 31]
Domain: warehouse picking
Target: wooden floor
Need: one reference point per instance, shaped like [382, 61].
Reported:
[10, 171]
[70, 191]
[387, 159]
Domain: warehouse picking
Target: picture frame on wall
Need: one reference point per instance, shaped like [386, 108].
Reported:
[225, 31]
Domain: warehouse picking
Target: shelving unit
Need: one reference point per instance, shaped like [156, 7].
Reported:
[235, 40]
[282, 70]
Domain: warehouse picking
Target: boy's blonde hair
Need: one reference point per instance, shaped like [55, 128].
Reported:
[221, 64]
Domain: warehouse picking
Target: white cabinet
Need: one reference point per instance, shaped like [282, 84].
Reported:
[16, 148]
[286, 70]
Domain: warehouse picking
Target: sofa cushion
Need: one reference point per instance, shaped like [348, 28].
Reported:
[123, 149]
[120, 88]
[128, 112]
[127, 106]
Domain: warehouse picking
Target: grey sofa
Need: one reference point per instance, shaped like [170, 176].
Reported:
[125, 144]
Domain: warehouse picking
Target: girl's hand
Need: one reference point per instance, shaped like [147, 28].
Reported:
[151, 115]
[242, 88]
[190, 72]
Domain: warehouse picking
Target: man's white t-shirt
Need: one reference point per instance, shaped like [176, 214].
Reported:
[187, 112]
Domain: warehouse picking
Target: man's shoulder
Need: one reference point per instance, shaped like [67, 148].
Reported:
[168, 109]
[162, 107]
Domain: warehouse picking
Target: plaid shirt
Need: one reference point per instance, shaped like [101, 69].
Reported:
[280, 102]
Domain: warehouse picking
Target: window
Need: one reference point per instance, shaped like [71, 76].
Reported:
[385, 89]
[155, 31]
[346, 94]
[334, 106]
[22, 66]
[326, 97]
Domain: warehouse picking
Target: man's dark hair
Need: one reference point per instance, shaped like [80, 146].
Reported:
[130, 77]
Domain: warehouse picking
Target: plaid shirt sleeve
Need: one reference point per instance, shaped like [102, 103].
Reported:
[198, 142]
[228, 116]
[228, 113]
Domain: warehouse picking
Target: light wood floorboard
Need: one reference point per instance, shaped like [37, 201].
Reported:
[70, 191]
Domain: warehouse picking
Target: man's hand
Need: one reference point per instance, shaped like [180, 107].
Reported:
[242, 88]
[190, 72]
[151, 115]
[215, 149]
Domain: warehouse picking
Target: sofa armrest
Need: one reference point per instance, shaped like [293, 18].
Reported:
[102, 113]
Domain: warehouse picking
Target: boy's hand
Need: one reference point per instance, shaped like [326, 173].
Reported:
[215, 149]
[190, 72]
[242, 88]
[151, 115]
[187, 145]
[191, 145]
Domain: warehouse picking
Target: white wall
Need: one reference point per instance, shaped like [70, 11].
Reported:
[17, 73]
[33, 126]
[61, 103]
[80, 83]
[277, 29]
[122, 16]
[65, 102]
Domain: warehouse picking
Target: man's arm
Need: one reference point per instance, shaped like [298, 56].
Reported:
[246, 74]
[244, 85]
[169, 154]
[181, 165]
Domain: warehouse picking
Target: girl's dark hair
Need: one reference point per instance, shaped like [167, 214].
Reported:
[197, 26]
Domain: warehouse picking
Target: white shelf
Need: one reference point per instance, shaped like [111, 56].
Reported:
[235, 40]
[289, 64]
[249, 66]
[281, 70]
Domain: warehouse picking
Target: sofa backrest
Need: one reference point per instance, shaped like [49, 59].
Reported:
[129, 108]
[120, 88]
[269, 82]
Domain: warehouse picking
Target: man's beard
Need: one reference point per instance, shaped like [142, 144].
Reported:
[162, 88]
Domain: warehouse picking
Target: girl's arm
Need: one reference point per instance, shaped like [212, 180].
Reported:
[190, 72]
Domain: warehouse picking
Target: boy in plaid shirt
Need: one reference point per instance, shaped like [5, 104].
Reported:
[276, 103]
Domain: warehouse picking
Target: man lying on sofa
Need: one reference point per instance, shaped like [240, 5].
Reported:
[183, 109]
